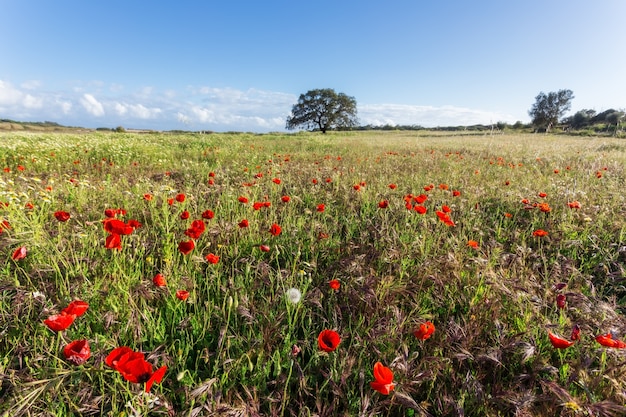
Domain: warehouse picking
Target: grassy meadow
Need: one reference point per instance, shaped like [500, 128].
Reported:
[352, 251]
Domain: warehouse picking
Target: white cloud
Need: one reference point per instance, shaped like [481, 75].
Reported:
[183, 118]
[93, 106]
[427, 116]
[32, 102]
[65, 106]
[9, 96]
[138, 111]
[203, 108]
[120, 109]
[142, 112]
[202, 115]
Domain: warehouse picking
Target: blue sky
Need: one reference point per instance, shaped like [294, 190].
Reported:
[241, 65]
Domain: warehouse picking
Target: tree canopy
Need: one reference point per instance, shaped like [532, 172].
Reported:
[323, 109]
[549, 108]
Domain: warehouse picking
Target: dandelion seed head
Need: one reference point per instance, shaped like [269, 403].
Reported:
[294, 295]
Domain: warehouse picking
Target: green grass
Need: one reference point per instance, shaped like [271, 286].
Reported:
[228, 348]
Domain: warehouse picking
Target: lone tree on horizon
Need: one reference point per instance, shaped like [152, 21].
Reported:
[549, 108]
[323, 109]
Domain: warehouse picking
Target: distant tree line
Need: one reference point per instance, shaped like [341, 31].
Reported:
[587, 118]
[323, 109]
[548, 110]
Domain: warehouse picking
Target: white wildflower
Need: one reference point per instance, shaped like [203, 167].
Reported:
[294, 295]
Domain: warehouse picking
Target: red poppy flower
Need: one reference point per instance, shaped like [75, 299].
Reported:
[424, 331]
[420, 199]
[180, 197]
[320, 208]
[196, 229]
[110, 213]
[116, 226]
[275, 229]
[147, 197]
[443, 186]
[540, 233]
[258, 205]
[446, 209]
[134, 224]
[159, 280]
[182, 295]
[117, 354]
[383, 379]
[19, 253]
[76, 307]
[472, 244]
[242, 199]
[62, 216]
[544, 207]
[456, 193]
[186, 246]
[356, 187]
[243, 223]
[575, 333]
[113, 241]
[383, 204]
[170, 201]
[156, 377]
[420, 209]
[207, 214]
[212, 258]
[328, 340]
[134, 368]
[559, 342]
[608, 341]
[334, 284]
[77, 352]
[314, 180]
[184, 215]
[276, 180]
[542, 195]
[393, 186]
[574, 205]
[211, 181]
[444, 218]
[560, 301]
[285, 199]
[59, 322]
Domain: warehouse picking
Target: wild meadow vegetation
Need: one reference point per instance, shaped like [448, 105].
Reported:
[268, 274]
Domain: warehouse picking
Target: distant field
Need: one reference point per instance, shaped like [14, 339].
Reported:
[223, 257]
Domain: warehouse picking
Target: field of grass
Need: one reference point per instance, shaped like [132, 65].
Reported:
[245, 341]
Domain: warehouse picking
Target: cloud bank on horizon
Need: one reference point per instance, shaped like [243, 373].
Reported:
[97, 104]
